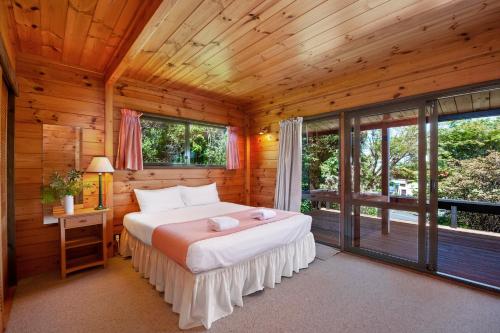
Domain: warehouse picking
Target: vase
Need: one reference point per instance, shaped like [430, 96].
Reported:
[69, 204]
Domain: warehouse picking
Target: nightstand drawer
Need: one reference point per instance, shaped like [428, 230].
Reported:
[82, 221]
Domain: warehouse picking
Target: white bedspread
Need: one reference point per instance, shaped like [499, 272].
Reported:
[226, 250]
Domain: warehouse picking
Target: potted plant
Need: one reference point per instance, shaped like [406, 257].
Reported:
[64, 189]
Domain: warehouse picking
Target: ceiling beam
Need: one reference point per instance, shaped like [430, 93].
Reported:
[144, 25]
[6, 67]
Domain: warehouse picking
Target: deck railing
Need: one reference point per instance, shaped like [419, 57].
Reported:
[467, 206]
[397, 202]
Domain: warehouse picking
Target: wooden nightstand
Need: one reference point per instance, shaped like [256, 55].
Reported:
[83, 242]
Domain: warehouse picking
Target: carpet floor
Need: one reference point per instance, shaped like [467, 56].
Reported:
[343, 293]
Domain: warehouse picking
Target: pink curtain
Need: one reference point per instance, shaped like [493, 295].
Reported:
[129, 154]
[232, 154]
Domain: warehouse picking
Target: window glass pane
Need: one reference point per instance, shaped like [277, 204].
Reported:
[371, 161]
[207, 145]
[403, 161]
[320, 155]
[401, 238]
[320, 178]
[163, 142]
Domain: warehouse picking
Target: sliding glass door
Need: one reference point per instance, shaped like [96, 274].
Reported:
[320, 181]
[468, 235]
[386, 195]
[370, 182]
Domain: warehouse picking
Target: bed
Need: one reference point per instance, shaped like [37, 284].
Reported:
[219, 271]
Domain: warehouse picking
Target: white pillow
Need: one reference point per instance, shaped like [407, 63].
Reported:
[161, 200]
[199, 195]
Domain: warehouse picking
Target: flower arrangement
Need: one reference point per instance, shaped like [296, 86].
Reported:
[63, 187]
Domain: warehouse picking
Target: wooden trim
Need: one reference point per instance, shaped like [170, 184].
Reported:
[3, 193]
[385, 178]
[37, 59]
[357, 180]
[108, 120]
[108, 151]
[8, 72]
[11, 189]
[248, 166]
[187, 121]
[422, 182]
[433, 174]
[345, 181]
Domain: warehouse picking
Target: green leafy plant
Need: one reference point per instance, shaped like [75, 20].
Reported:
[60, 186]
[306, 206]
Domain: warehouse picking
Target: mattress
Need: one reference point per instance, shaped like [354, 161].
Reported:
[224, 251]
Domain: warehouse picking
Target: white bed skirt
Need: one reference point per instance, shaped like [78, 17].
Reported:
[201, 299]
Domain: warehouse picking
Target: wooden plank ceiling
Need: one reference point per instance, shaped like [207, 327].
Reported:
[75, 32]
[247, 51]
[471, 102]
[478, 101]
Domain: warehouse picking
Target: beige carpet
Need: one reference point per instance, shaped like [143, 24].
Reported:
[344, 293]
[324, 252]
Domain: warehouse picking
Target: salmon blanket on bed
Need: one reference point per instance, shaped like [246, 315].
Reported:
[173, 240]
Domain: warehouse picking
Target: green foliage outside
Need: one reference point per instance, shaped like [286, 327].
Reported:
[306, 206]
[165, 143]
[469, 168]
[469, 164]
[208, 145]
[320, 162]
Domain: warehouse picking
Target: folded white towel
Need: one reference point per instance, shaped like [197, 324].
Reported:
[221, 223]
[263, 214]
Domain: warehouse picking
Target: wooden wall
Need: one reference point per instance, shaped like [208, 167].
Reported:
[150, 99]
[472, 57]
[55, 94]
[52, 93]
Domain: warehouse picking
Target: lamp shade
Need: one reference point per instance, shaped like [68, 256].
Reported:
[100, 164]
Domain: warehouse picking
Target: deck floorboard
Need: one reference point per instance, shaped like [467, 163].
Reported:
[468, 255]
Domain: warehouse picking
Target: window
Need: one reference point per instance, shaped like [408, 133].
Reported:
[175, 142]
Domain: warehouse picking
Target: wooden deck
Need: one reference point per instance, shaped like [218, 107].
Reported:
[466, 254]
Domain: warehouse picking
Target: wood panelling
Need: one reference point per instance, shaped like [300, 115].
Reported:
[441, 67]
[479, 101]
[258, 50]
[146, 98]
[84, 33]
[58, 95]
[61, 95]
[246, 64]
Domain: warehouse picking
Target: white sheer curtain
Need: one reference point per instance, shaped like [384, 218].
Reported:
[289, 177]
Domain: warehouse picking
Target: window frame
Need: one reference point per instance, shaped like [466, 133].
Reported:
[187, 143]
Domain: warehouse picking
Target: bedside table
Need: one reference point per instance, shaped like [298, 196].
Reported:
[83, 242]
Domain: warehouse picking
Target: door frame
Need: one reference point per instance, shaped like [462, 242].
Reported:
[350, 146]
[345, 169]
[336, 198]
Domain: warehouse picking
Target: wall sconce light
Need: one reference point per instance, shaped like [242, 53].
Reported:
[264, 130]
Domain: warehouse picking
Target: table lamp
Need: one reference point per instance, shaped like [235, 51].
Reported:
[100, 164]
